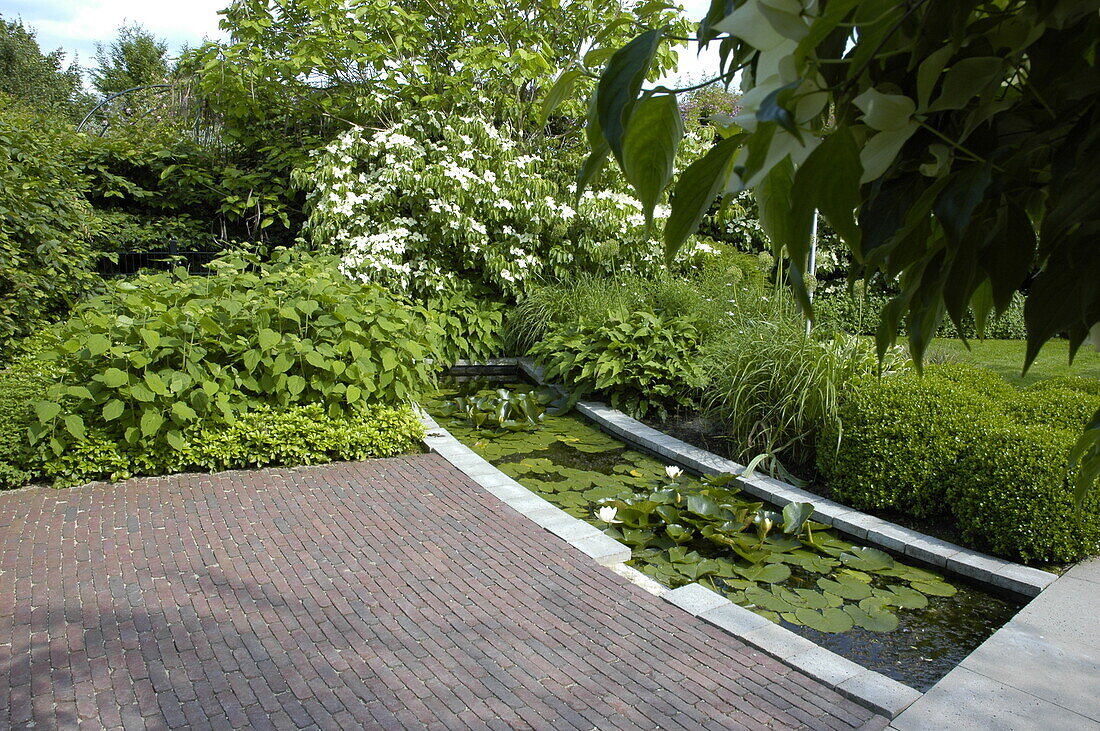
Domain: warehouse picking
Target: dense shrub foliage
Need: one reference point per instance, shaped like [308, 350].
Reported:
[641, 362]
[46, 256]
[298, 435]
[155, 359]
[435, 196]
[23, 383]
[961, 444]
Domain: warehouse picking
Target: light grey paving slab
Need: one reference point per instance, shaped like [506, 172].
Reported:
[547, 518]
[778, 641]
[603, 549]
[695, 598]
[857, 524]
[975, 565]
[1066, 613]
[966, 701]
[1086, 571]
[828, 667]
[1066, 675]
[1022, 579]
[891, 537]
[574, 530]
[931, 550]
[734, 619]
[530, 503]
[879, 692]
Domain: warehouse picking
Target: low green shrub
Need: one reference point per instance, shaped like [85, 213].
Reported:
[299, 435]
[961, 444]
[1010, 494]
[24, 383]
[470, 323]
[642, 362]
[167, 353]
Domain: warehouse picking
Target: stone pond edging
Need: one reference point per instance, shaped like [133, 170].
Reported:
[875, 691]
[1014, 577]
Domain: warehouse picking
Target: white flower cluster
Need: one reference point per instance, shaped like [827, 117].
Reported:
[434, 196]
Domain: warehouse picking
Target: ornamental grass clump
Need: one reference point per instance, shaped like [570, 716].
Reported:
[774, 389]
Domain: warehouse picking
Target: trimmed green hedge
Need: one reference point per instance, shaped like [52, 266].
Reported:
[962, 445]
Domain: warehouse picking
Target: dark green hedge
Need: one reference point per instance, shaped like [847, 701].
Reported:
[962, 445]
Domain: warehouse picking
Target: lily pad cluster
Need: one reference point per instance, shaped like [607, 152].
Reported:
[781, 564]
[518, 409]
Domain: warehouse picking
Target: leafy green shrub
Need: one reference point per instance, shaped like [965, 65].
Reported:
[641, 361]
[895, 436]
[23, 384]
[47, 260]
[774, 388]
[121, 231]
[166, 353]
[962, 444]
[583, 297]
[469, 323]
[1010, 494]
[299, 435]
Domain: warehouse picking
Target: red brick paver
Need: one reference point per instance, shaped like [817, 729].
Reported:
[391, 593]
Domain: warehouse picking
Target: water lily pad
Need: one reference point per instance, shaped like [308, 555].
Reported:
[832, 621]
[874, 604]
[857, 575]
[865, 558]
[772, 573]
[849, 589]
[903, 596]
[812, 599]
[879, 621]
[936, 588]
[766, 599]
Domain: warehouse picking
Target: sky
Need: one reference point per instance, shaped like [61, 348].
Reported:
[76, 26]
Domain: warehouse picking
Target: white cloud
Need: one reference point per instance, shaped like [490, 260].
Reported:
[77, 25]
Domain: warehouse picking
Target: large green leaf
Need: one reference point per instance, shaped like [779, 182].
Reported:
[695, 192]
[619, 85]
[649, 148]
[828, 181]
[558, 92]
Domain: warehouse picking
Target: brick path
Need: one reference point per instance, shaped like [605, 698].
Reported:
[389, 593]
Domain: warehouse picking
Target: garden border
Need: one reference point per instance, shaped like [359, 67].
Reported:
[996, 572]
[874, 690]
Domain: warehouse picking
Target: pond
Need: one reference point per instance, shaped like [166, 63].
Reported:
[899, 619]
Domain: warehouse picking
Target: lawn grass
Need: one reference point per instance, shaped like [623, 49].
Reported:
[1006, 357]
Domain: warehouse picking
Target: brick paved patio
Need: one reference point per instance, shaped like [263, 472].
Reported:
[390, 593]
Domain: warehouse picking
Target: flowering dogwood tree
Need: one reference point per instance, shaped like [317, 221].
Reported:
[436, 196]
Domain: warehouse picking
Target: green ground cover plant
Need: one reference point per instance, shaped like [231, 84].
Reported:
[963, 445]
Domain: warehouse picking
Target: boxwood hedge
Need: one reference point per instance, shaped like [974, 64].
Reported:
[962, 445]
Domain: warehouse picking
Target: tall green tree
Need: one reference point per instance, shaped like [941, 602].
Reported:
[954, 146]
[135, 58]
[38, 80]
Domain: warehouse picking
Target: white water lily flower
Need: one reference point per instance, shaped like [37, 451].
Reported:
[673, 472]
[607, 514]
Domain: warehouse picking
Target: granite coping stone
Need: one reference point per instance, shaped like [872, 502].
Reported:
[874, 690]
[587, 538]
[876, 531]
